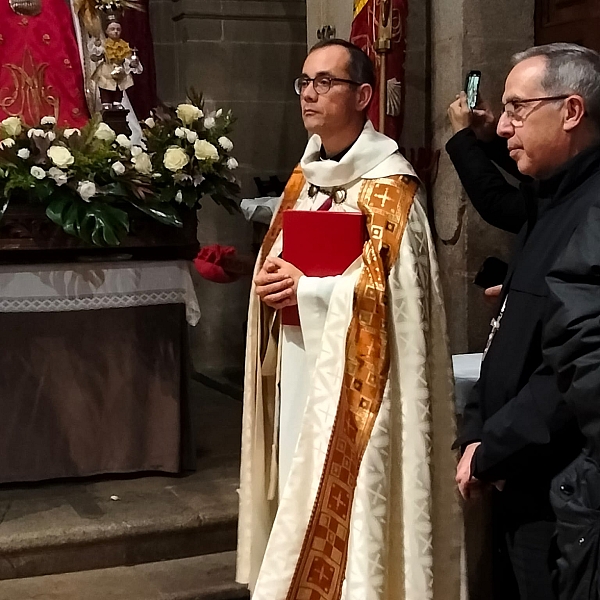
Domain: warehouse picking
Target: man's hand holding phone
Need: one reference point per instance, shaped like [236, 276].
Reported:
[481, 119]
[469, 110]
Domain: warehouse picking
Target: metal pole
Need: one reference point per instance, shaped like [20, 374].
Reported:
[382, 46]
[382, 92]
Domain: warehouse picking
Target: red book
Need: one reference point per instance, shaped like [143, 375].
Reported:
[320, 244]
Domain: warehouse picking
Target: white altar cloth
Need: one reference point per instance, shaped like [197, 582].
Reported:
[97, 285]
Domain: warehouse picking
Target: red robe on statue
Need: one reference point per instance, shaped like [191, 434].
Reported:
[40, 66]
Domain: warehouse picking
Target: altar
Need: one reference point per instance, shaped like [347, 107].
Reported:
[94, 369]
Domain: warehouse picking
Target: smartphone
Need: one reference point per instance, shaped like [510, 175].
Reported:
[472, 88]
[493, 272]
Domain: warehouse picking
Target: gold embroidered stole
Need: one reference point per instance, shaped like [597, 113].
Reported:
[291, 193]
[321, 566]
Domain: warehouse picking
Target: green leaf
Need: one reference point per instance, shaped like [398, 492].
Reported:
[163, 213]
[44, 189]
[108, 225]
[72, 218]
[116, 189]
[228, 203]
[190, 196]
[4, 202]
[57, 207]
[168, 194]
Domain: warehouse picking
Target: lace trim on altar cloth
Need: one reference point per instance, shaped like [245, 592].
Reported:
[99, 302]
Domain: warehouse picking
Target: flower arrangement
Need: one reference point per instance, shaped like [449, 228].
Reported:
[91, 179]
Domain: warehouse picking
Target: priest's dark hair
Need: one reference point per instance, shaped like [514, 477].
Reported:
[360, 66]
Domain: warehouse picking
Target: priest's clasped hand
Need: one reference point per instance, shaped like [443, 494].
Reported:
[277, 283]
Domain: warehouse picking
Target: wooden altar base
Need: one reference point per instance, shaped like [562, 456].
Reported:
[27, 236]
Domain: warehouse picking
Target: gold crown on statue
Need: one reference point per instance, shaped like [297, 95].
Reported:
[31, 8]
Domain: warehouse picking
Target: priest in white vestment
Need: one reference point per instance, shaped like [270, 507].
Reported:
[347, 486]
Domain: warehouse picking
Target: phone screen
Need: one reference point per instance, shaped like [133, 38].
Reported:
[472, 88]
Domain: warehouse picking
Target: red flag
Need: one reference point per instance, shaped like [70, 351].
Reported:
[367, 34]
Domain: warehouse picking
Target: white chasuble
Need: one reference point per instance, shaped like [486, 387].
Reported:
[405, 532]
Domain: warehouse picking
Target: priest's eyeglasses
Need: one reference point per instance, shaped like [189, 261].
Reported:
[510, 109]
[321, 83]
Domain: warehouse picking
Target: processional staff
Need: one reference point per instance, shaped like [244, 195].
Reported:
[382, 47]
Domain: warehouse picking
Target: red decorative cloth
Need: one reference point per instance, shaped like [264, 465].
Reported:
[40, 66]
[210, 263]
[364, 34]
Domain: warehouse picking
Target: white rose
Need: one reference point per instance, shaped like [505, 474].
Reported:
[179, 197]
[175, 158]
[150, 122]
[225, 143]
[105, 133]
[219, 113]
[48, 121]
[118, 167]
[123, 141]
[205, 151]
[8, 143]
[188, 113]
[232, 164]
[86, 189]
[136, 151]
[12, 126]
[180, 132]
[38, 172]
[142, 164]
[36, 133]
[24, 153]
[51, 136]
[60, 177]
[60, 156]
[209, 122]
[69, 132]
[192, 136]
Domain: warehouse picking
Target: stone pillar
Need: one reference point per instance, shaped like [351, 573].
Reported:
[243, 55]
[465, 35]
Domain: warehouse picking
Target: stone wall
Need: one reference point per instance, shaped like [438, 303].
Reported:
[469, 34]
[244, 55]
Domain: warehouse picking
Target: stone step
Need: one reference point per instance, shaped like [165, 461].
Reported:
[77, 526]
[208, 577]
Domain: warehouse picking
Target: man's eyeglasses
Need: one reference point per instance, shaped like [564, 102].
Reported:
[510, 108]
[321, 83]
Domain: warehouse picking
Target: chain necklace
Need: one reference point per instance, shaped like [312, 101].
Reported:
[495, 323]
[337, 194]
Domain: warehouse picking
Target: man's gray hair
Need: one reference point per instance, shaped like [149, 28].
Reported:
[570, 69]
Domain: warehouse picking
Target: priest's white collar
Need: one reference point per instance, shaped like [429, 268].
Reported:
[370, 149]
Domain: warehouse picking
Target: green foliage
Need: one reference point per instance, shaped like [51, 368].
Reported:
[90, 179]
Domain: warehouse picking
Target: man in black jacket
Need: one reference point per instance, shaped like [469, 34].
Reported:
[518, 433]
[572, 347]
[475, 149]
